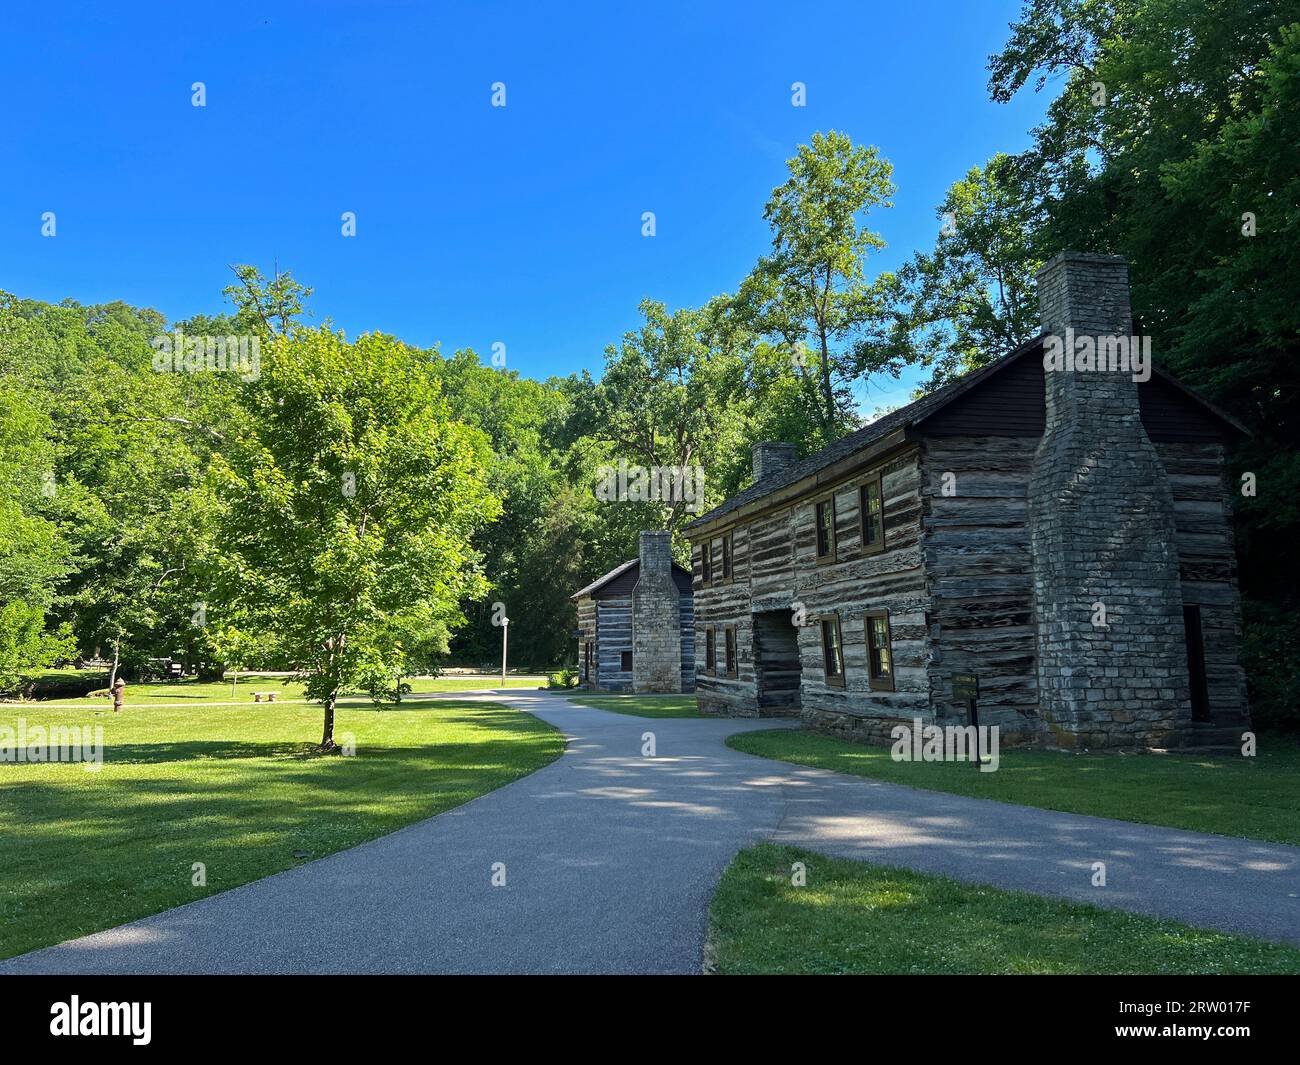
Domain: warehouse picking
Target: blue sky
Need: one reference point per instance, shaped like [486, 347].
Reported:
[474, 224]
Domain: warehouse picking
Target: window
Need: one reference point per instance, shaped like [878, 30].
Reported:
[726, 557]
[586, 661]
[706, 562]
[826, 529]
[880, 654]
[873, 515]
[710, 652]
[833, 651]
[730, 635]
[625, 663]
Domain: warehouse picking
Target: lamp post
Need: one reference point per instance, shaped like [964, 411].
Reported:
[505, 641]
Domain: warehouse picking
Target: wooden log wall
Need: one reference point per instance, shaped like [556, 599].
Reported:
[776, 569]
[980, 577]
[1208, 568]
[613, 637]
[587, 626]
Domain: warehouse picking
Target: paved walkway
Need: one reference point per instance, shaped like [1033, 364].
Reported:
[611, 858]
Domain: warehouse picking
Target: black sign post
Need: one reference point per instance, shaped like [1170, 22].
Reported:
[966, 687]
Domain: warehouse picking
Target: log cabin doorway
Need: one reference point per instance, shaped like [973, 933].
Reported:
[777, 669]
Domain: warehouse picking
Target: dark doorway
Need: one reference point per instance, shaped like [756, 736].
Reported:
[1196, 663]
[776, 663]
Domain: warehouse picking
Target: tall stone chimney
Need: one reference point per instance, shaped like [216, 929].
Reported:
[656, 619]
[770, 459]
[1112, 661]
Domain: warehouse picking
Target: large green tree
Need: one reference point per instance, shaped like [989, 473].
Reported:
[350, 501]
[811, 295]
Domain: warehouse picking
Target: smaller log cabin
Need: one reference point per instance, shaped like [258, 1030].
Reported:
[636, 624]
[1063, 534]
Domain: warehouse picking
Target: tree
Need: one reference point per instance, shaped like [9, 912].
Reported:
[667, 401]
[34, 556]
[972, 298]
[350, 499]
[523, 419]
[127, 447]
[266, 307]
[810, 294]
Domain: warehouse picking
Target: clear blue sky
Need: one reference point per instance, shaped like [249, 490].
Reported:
[475, 224]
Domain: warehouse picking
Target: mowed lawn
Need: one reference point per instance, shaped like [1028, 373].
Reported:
[237, 789]
[641, 705]
[1257, 797]
[858, 918]
[286, 690]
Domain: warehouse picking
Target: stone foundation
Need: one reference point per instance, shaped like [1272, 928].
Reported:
[875, 731]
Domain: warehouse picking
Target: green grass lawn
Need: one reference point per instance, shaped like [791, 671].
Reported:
[1255, 797]
[461, 684]
[236, 788]
[858, 918]
[641, 705]
[190, 690]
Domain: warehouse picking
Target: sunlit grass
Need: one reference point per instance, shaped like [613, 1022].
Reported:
[241, 689]
[1256, 797]
[642, 705]
[238, 789]
[853, 917]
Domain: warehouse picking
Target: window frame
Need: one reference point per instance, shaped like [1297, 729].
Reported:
[710, 651]
[878, 481]
[706, 563]
[833, 680]
[728, 558]
[878, 683]
[731, 652]
[829, 556]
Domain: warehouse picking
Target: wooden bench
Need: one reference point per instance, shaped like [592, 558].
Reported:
[270, 696]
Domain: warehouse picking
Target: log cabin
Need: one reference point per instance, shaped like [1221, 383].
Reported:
[636, 624]
[1063, 535]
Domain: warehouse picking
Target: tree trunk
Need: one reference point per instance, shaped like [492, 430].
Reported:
[112, 676]
[828, 391]
[327, 737]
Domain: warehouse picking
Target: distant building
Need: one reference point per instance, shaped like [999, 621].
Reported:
[636, 624]
[1064, 534]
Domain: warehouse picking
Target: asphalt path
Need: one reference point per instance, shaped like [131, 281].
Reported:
[605, 861]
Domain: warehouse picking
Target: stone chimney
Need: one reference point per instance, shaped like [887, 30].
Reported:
[1112, 662]
[771, 459]
[656, 619]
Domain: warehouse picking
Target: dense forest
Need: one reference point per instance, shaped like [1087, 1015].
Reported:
[157, 505]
